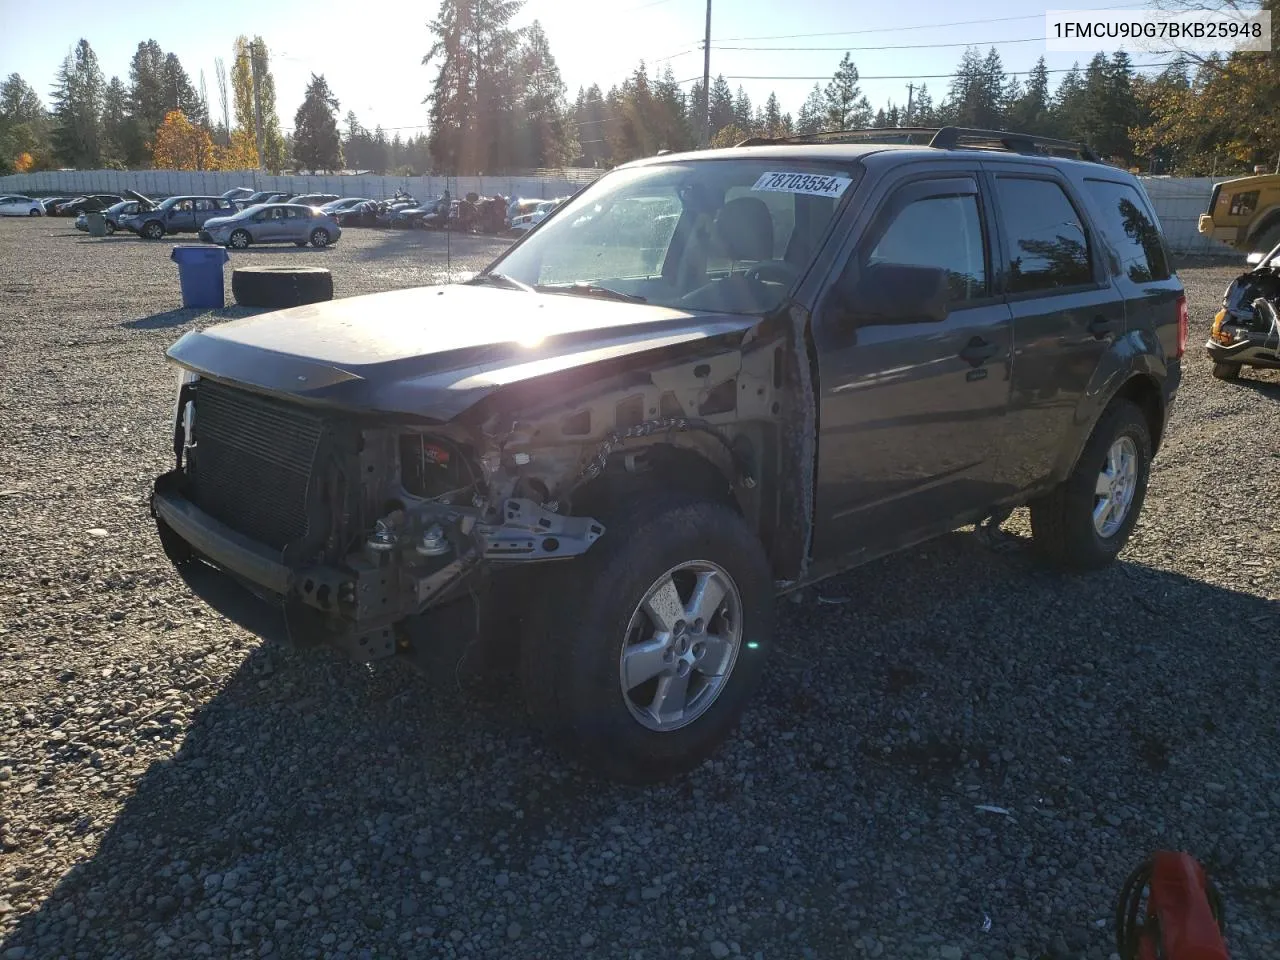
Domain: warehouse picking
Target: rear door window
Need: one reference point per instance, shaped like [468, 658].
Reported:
[1131, 227]
[1046, 243]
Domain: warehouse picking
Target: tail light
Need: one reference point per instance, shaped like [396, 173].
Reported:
[1184, 326]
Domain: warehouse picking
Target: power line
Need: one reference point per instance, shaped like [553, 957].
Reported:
[918, 26]
[903, 46]
[918, 76]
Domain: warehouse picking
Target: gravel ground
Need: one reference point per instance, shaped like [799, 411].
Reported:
[172, 787]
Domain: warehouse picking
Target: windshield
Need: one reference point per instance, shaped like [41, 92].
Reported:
[730, 236]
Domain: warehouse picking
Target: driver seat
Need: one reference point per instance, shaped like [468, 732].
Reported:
[744, 230]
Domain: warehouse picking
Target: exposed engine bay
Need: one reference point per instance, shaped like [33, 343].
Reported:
[1246, 331]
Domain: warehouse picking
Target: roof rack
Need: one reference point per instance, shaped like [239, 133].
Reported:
[944, 138]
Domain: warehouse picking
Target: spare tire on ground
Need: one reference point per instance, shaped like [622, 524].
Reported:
[281, 286]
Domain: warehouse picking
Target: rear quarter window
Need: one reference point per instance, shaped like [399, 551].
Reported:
[1131, 227]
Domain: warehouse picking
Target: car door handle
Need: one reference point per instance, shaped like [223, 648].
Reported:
[978, 351]
[1101, 327]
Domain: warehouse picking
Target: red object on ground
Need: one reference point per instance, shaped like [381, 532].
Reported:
[1180, 921]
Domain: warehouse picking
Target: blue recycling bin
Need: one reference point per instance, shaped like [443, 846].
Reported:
[200, 272]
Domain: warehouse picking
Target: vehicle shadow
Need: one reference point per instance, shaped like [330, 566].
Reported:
[289, 248]
[185, 315]
[362, 784]
[1268, 388]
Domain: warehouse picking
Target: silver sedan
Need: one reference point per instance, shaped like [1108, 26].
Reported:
[272, 223]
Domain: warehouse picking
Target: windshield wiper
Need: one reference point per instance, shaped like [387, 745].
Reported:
[501, 280]
[590, 290]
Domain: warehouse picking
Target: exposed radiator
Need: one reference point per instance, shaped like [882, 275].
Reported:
[252, 462]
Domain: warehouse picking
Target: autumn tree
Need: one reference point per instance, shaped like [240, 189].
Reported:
[24, 127]
[181, 145]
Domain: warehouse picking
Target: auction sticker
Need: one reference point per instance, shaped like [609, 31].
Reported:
[815, 184]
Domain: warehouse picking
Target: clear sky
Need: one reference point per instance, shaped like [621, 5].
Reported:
[371, 51]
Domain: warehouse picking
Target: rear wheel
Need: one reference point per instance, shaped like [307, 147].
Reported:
[1266, 241]
[1085, 522]
[1226, 371]
[240, 239]
[645, 652]
[153, 230]
[319, 237]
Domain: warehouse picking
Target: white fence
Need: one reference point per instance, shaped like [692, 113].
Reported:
[1179, 201]
[166, 183]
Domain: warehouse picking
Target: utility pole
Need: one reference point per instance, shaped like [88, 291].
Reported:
[254, 66]
[911, 89]
[706, 81]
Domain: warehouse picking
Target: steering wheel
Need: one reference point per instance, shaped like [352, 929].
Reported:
[777, 271]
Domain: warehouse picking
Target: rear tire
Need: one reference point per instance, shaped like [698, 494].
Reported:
[277, 287]
[571, 662]
[1266, 241]
[1064, 522]
[1226, 371]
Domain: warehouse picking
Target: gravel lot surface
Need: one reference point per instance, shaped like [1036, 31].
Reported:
[172, 787]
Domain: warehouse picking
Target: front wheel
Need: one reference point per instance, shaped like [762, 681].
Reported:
[319, 237]
[154, 230]
[111, 228]
[646, 650]
[33, 213]
[240, 239]
[1084, 522]
[1226, 371]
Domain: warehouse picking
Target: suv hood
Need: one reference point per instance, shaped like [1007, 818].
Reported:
[433, 352]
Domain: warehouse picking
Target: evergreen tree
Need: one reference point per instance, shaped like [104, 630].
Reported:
[976, 96]
[24, 127]
[591, 119]
[316, 145]
[881, 119]
[846, 107]
[275, 151]
[77, 109]
[115, 125]
[722, 112]
[179, 94]
[812, 118]
[474, 94]
[1067, 113]
[146, 102]
[1029, 112]
[771, 118]
[673, 128]
[923, 113]
[743, 114]
[548, 138]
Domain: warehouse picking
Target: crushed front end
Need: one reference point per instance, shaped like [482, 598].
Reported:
[1246, 331]
[352, 523]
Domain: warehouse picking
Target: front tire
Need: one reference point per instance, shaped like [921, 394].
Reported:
[1085, 521]
[1226, 371]
[646, 650]
[239, 240]
[319, 237]
[33, 213]
[153, 230]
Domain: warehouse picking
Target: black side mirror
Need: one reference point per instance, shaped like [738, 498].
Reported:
[890, 293]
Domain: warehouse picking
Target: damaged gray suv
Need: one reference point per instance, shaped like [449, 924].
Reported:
[703, 382]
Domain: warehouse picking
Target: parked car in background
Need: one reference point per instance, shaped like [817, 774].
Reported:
[267, 196]
[18, 206]
[113, 213]
[176, 215]
[51, 203]
[238, 193]
[363, 214]
[272, 223]
[346, 203]
[525, 222]
[315, 199]
[1246, 331]
[96, 201]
